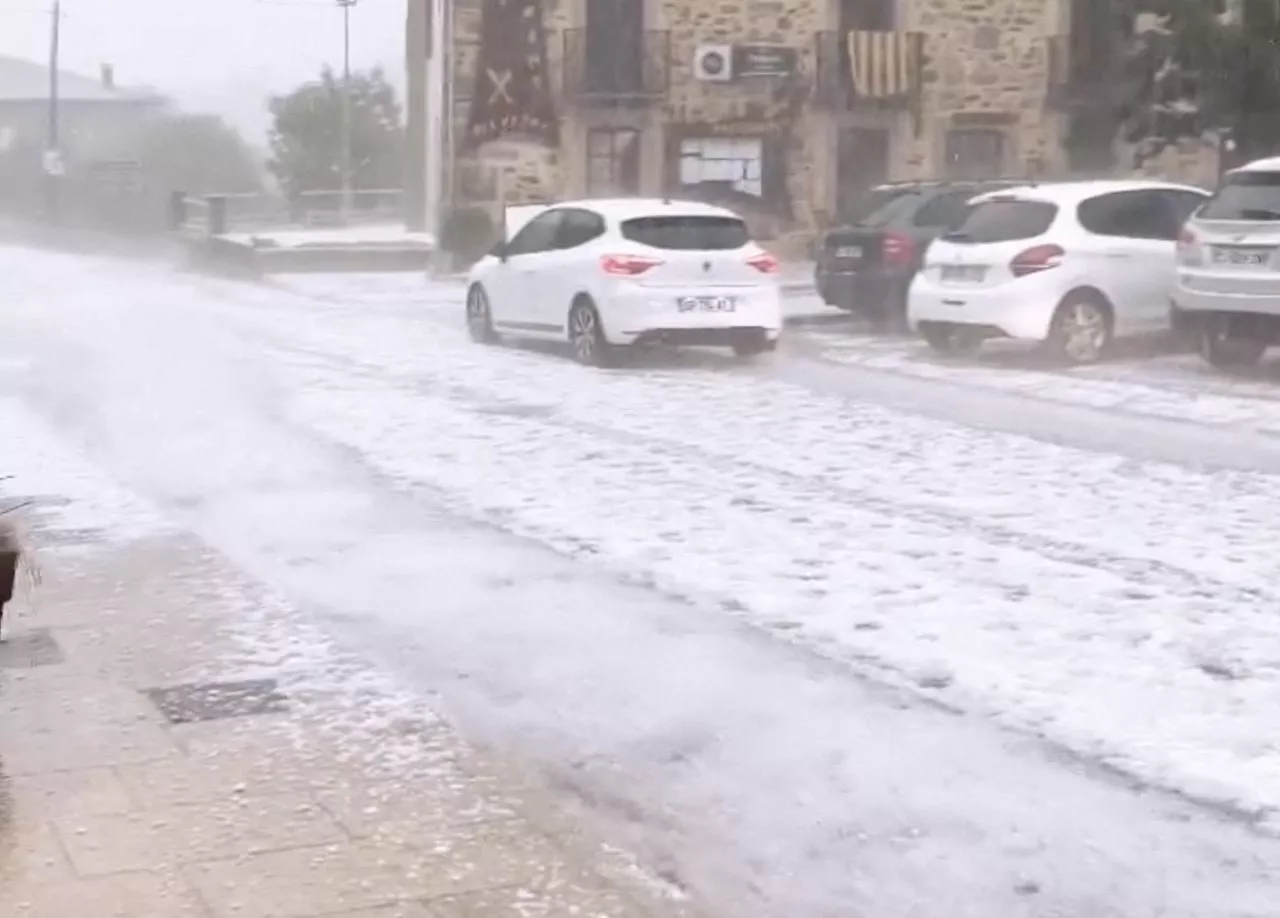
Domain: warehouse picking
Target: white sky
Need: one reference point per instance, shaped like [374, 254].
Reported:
[215, 55]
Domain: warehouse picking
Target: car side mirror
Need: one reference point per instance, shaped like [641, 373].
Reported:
[499, 250]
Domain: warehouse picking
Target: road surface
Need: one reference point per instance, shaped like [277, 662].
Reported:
[848, 632]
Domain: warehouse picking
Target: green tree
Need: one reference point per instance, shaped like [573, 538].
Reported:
[198, 154]
[306, 134]
[1197, 68]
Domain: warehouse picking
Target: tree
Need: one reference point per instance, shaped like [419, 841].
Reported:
[198, 154]
[1201, 68]
[306, 135]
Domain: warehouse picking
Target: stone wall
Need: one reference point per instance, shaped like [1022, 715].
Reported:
[987, 63]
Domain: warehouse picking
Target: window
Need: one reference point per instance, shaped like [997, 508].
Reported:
[687, 232]
[1130, 214]
[1185, 203]
[945, 210]
[1005, 220]
[578, 227]
[538, 235]
[613, 161]
[975, 153]
[1253, 196]
[734, 164]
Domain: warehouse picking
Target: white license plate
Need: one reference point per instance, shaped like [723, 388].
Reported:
[1245, 257]
[849, 251]
[706, 304]
[964, 274]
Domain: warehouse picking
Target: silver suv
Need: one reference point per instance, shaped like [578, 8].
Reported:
[1227, 293]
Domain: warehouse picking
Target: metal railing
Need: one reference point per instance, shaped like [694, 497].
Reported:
[218, 214]
[633, 71]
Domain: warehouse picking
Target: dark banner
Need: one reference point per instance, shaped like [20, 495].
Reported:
[512, 83]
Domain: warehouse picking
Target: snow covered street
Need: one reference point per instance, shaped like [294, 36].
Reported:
[846, 632]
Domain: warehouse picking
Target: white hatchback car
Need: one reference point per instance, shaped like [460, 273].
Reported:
[1072, 265]
[608, 273]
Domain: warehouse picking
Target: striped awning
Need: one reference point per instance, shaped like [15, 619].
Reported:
[883, 64]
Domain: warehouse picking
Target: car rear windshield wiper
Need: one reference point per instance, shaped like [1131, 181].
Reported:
[1249, 213]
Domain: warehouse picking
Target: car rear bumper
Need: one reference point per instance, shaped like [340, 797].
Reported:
[1196, 293]
[868, 291]
[1021, 309]
[651, 315]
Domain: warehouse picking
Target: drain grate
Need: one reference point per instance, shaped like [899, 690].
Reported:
[29, 649]
[204, 701]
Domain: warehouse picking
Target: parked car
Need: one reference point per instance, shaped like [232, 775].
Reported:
[1072, 265]
[604, 274]
[1227, 293]
[867, 266]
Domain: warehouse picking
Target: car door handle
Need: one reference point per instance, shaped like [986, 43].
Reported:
[1119, 255]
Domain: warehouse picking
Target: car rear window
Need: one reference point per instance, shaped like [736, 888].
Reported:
[687, 232]
[1004, 220]
[1249, 196]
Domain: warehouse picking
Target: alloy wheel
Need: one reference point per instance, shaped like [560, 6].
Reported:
[1084, 331]
[584, 331]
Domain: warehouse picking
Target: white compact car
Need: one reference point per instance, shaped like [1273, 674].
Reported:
[613, 273]
[1228, 289]
[1072, 265]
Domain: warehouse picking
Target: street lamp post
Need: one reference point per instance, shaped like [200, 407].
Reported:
[53, 156]
[346, 105]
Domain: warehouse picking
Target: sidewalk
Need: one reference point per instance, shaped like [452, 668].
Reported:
[177, 743]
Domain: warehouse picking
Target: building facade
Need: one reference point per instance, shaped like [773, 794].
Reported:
[786, 110]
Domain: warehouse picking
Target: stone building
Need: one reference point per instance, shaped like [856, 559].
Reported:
[787, 110]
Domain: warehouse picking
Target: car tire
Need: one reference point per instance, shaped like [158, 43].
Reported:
[952, 340]
[480, 316]
[1224, 349]
[1082, 330]
[586, 335]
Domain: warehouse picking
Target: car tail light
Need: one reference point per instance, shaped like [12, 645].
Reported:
[627, 265]
[897, 250]
[1188, 251]
[1036, 259]
[764, 263]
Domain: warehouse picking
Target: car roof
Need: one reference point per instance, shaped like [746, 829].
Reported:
[1075, 192]
[626, 208]
[1269, 164]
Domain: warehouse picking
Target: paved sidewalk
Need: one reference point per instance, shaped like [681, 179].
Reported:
[177, 743]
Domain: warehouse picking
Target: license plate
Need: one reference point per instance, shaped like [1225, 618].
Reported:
[849, 251]
[1244, 257]
[706, 304]
[964, 274]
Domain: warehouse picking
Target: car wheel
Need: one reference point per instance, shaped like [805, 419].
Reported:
[1081, 331]
[480, 316]
[952, 340]
[1224, 347]
[586, 335]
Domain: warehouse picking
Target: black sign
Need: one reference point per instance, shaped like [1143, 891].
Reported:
[764, 60]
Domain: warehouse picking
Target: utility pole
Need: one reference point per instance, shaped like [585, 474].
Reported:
[346, 105]
[53, 156]
[438, 141]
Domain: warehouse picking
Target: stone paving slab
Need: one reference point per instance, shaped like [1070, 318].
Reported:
[186, 745]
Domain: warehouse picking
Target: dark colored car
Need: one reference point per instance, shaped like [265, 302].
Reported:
[866, 266]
